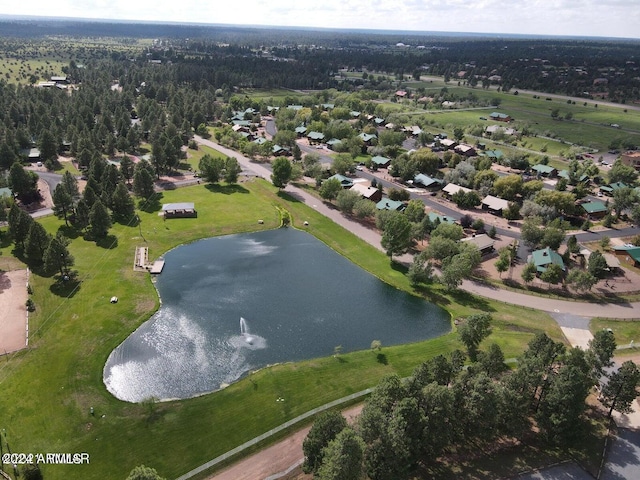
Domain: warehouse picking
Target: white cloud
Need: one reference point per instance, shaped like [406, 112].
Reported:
[614, 18]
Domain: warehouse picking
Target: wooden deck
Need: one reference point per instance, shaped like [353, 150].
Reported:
[141, 262]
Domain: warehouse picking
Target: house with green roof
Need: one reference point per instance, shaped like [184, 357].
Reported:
[436, 217]
[545, 257]
[381, 162]
[612, 187]
[500, 117]
[367, 137]
[331, 144]
[6, 192]
[388, 204]
[628, 253]
[315, 137]
[427, 182]
[346, 182]
[584, 178]
[260, 141]
[494, 155]
[594, 209]
[544, 170]
[301, 130]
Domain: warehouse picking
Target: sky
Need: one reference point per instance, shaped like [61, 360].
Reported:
[602, 18]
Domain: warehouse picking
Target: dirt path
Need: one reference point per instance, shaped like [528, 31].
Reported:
[277, 458]
[13, 314]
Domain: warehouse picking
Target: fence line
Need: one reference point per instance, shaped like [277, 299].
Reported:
[274, 431]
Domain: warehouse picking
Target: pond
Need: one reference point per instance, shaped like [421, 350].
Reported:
[237, 303]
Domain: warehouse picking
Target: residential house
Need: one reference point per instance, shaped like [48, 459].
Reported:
[427, 182]
[315, 137]
[545, 257]
[544, 170]
[346, 182]
[494, 205]
[451, 189]
[436, 217]
[594, 209]
[381, 162]
[6, 192]
[370, 193]
[368, 138]
[631, 158]
[333, 143]
[500, 117]
[448, 143]
[279, 151]
[628, 253]
[301, 130]
[584, 178]
[466, 150]
[494, 155]
[483, 241]
[388, 204]
[612, 187]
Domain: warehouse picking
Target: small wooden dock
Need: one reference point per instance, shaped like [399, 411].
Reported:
[157, 267]
[141, 262]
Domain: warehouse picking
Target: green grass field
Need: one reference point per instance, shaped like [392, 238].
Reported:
[47, 391]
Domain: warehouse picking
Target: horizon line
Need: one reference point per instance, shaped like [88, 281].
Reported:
[414, 33]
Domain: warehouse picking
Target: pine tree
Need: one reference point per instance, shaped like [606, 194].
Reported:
[57, 256]
[36, 242]
[99, 220]
[122, 203]
[62, 203]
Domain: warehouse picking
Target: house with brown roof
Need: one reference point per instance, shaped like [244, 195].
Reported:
[631, 158]
[368, 192]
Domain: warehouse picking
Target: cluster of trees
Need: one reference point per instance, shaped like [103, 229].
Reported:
[41, 250]
[443, 408]
[105, 195]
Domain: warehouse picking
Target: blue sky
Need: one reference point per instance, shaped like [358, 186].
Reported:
[603, 18]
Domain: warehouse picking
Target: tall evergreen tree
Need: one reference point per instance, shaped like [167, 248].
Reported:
[36, 242]
[325, 428]
[142, 182]
[62, 203]
[122, 203]
[57, 257]
[621, 388]
[99, 220]
[19, 224]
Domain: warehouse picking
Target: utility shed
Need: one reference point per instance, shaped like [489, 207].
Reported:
[179, 210]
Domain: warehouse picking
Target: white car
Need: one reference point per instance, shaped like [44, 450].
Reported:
[360, 167]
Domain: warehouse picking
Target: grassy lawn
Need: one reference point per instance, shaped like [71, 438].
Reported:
[624, 331]
[48, 390]
[194, 157]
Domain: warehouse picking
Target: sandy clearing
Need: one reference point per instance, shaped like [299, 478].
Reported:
[13, 314]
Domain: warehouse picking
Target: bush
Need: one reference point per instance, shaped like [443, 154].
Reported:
[478, 225]
[466, 220]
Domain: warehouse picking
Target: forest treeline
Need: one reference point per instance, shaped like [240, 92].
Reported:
[310, 59]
